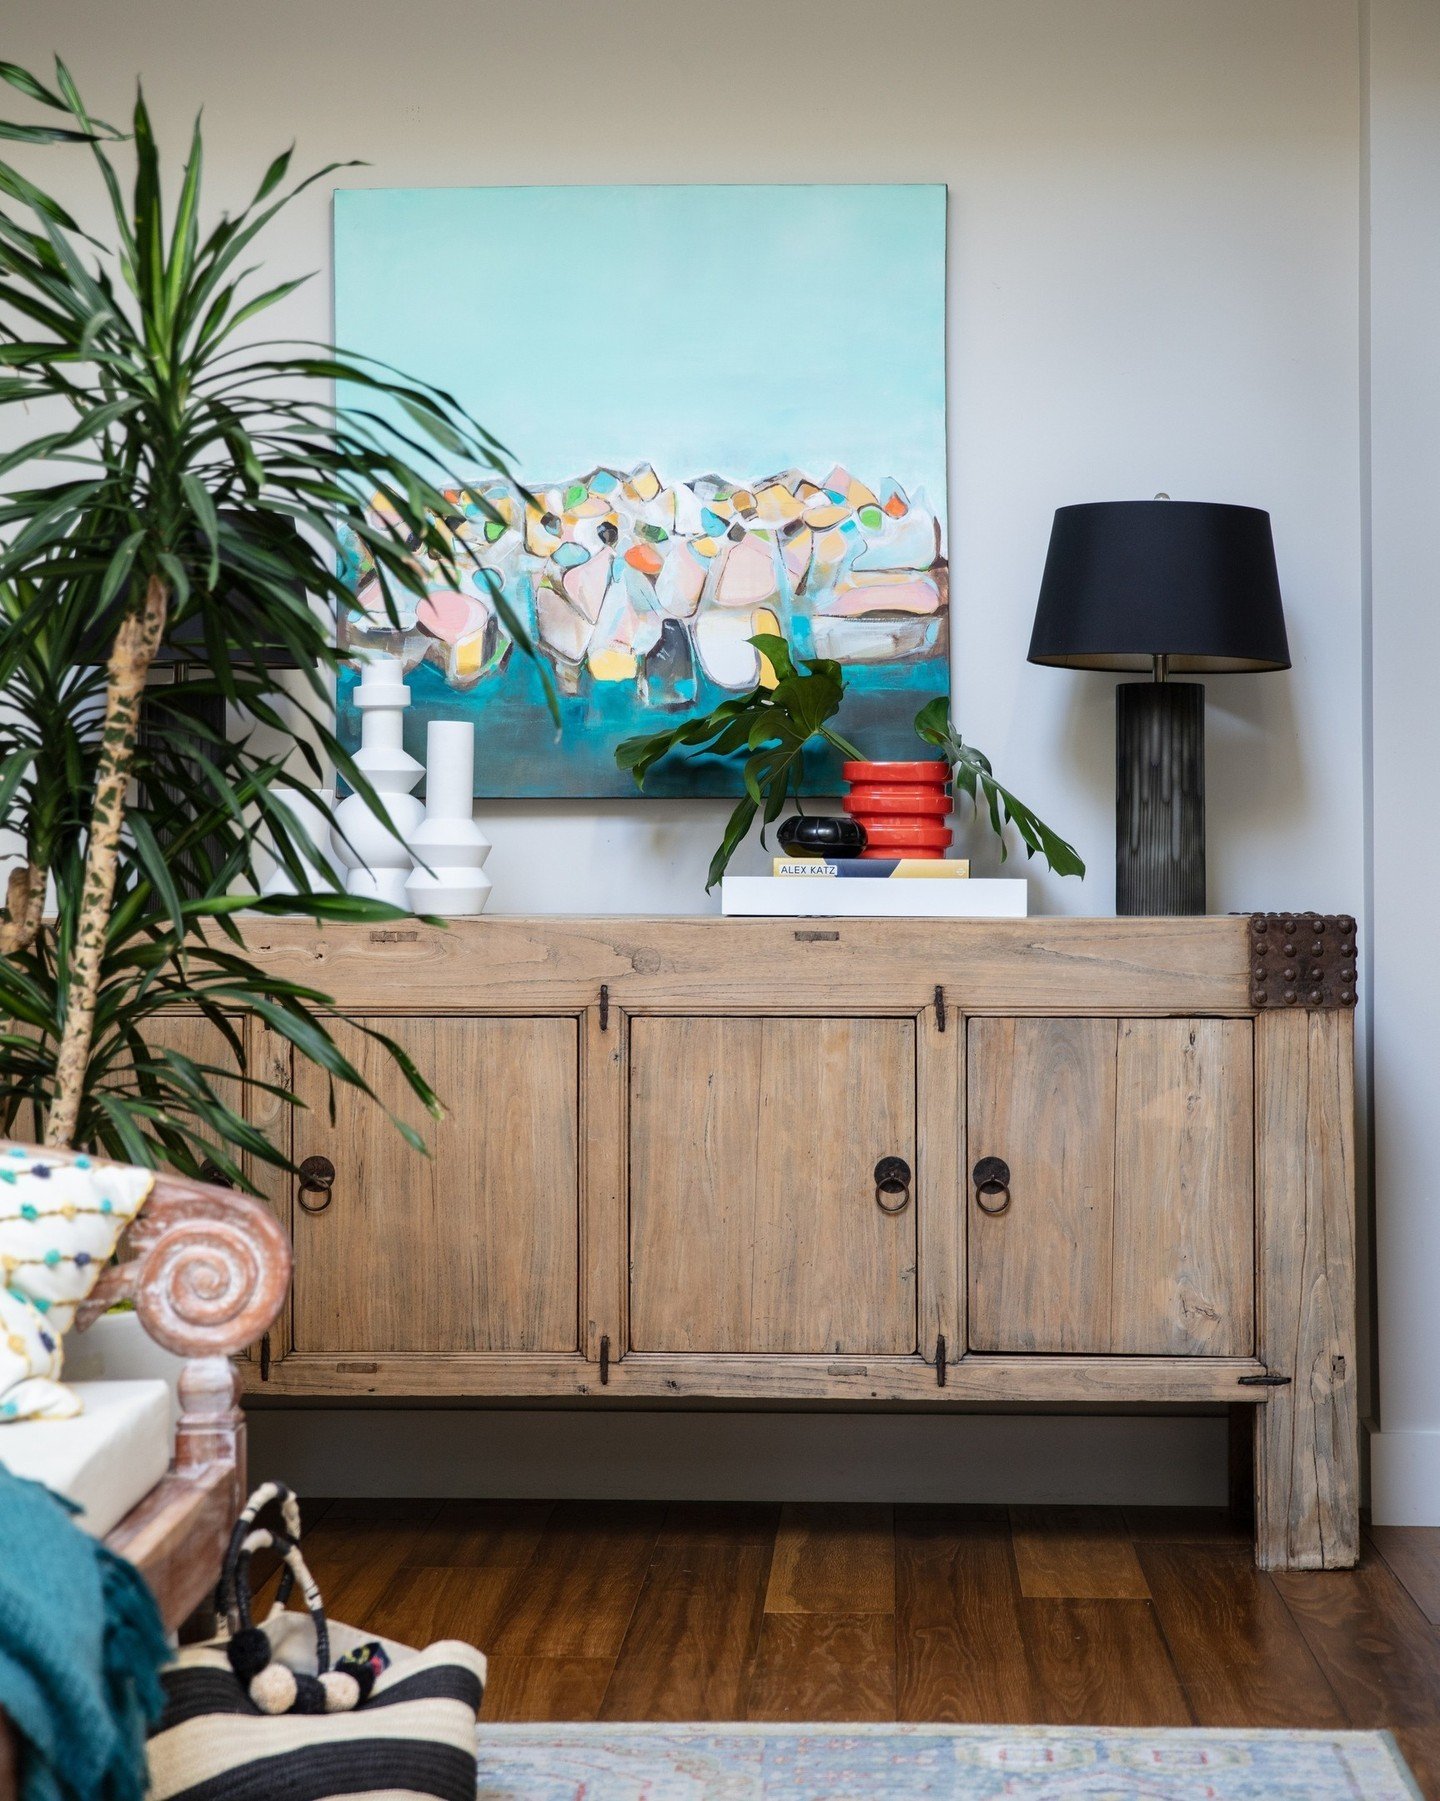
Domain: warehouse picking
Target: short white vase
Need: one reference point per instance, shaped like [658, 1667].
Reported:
[378, 859]
[449, 848]
[310, 821]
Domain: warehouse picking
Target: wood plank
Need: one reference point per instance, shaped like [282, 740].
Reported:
[824, 1666]
[478, 1242]
[784, 1248]
[833, 1558]
[1098, 1380]
[545, 1688]
[421, 1604]
[1413, 1553]
[355, 1551]
[688, 1649]
[1183, 1274]
[271, 1059]
[940, 1181]
[731, 1523]
[581, 1587]
[351, 1531]
[193, 1035]
[1101, 1663]
[1041, 1096]
[1185, 1526]
[1240, 1656]
[1377, 1649]
[503, 961]
[605, 1207]
[959, 1649]
[1307, 1502]
[1075, 1553]
[500, 1535]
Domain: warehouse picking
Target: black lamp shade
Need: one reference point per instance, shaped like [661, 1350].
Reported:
[1129, 580]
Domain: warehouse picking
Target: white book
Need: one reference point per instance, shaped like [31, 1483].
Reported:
[821, 897]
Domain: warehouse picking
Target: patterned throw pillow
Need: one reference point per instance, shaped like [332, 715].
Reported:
[59, 1224]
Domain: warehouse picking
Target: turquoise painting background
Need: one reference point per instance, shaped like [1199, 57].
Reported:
[740, 330]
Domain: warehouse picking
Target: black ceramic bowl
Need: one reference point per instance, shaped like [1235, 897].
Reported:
[823, 836]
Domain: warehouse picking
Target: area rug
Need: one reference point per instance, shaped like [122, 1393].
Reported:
[948, 1763]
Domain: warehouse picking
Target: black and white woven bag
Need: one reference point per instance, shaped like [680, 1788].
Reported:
[259, 1712]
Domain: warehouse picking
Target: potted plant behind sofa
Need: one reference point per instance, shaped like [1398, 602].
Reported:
[189, 485]
[773, 722]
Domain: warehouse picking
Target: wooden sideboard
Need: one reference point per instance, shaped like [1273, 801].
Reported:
[737, 1159]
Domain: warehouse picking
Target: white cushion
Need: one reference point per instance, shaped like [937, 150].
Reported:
[105, 1459]
[117, 1348]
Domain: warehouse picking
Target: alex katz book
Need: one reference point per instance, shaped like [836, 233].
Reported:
[822, 897]
[894, 868]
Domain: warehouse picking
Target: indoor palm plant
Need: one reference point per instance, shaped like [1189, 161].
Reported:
[172, 472]
[790, 708]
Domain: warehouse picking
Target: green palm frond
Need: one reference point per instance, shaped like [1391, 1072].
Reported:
[179, 446]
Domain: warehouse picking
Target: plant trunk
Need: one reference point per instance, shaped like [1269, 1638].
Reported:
[24, 904]
[136, 643]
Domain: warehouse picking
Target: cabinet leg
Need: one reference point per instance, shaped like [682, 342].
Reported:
[1306, 1431]
[1307, 1514]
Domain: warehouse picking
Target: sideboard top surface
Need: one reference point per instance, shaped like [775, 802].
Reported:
[806, 965]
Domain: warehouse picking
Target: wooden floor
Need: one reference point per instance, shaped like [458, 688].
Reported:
[639, 1611]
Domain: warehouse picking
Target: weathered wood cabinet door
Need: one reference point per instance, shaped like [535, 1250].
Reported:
[474, 1248]
[754, 1219]
[1131, 1215]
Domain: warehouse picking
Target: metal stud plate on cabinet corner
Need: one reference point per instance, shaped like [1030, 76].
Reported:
[1303, 960]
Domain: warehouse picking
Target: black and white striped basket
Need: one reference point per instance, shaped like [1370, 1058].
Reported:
[248, 1719]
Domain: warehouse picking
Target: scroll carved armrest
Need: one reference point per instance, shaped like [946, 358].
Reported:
[207, 1269]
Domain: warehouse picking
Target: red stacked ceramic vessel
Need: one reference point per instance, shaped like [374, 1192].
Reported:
[903, 807]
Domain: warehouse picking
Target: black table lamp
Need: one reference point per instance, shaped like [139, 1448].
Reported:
[1168, 587]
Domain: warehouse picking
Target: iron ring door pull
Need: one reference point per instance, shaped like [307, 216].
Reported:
[892, 1177]
[317, 1176]
[992, 1177]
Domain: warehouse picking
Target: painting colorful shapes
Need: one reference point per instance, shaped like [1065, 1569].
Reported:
[788, 342]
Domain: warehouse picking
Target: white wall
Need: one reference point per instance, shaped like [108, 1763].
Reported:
[1155, 283]
[1403, 343]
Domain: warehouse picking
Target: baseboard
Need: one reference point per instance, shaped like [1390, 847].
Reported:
[1140, 1460]
[1405, 1478]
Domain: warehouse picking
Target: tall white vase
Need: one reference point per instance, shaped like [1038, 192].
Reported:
[448, 839]
[378, 859]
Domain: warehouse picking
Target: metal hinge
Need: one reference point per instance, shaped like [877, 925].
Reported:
[1268, 1380]
[940, 1361]
[265, 1358]
[604, 1007]
[939, 1006]
[605, 1359]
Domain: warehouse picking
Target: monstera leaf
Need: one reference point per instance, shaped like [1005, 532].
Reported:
[771, 725]
[971, 773]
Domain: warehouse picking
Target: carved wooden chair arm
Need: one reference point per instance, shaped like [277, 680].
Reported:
[207, 1268]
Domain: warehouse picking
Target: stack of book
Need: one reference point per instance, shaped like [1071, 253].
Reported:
[873, 888]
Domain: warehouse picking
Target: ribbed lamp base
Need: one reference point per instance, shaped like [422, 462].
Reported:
[1159, 798]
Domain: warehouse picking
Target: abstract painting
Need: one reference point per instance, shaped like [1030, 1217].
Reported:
[727, 412]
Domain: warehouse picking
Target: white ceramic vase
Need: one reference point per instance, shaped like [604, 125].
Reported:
[450, 849]
[378, 859]
[310, 820]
